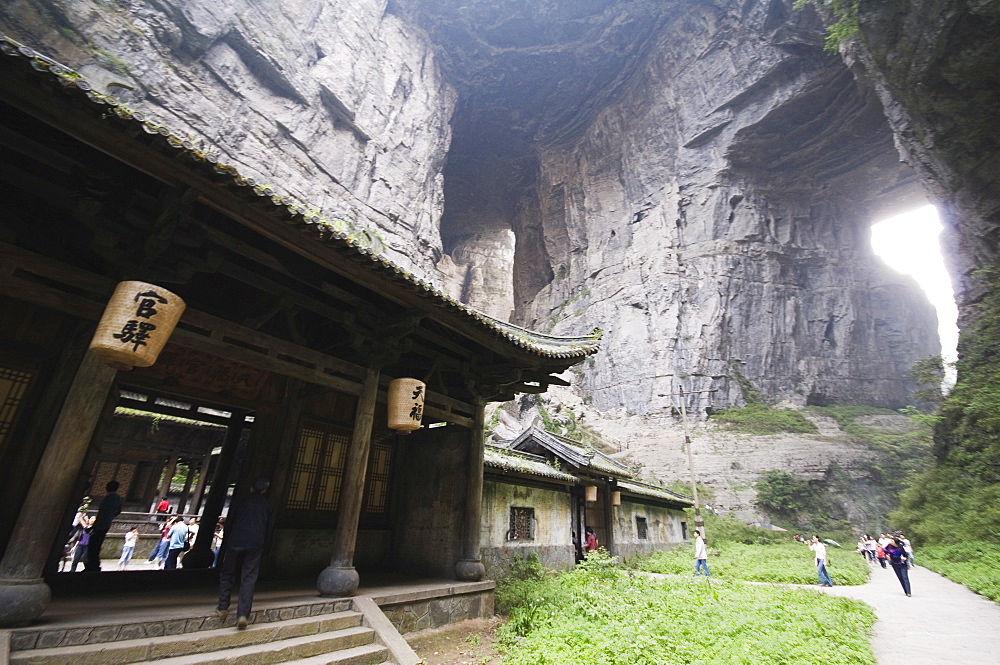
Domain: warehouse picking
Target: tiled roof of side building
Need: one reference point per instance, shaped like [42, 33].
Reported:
[642, 489]
[518, 462]
[334, 233]
[574, 452]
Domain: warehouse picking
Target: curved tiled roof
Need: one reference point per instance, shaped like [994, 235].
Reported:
[515, 461]
[642, 489]
[573, 452]
[336, 234]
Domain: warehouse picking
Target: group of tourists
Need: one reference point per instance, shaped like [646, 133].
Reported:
[87, 534]
[250, 523]
[889, 551]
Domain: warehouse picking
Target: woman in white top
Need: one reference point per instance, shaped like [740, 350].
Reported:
[700, 555]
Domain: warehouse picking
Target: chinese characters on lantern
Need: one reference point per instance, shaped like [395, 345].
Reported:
[417, 412]
[134, 331]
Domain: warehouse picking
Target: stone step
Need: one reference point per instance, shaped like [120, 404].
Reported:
[369, 655]
[357, 648]
[345, 626]
[22, 639]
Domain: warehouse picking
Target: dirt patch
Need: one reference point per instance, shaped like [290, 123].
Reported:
[469, 642]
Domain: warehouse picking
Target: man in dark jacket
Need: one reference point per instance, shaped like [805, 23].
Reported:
[110, 508]
[248, 528]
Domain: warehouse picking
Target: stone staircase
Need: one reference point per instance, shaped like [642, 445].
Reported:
[351, 631]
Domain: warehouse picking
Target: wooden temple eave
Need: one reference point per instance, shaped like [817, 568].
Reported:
[118, 131]
[85, 293]
[435, 334]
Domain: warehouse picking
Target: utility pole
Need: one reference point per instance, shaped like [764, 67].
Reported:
[699, 522]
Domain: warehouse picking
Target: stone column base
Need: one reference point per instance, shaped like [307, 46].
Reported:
[22, 601]
[338, 582]
[470, 570]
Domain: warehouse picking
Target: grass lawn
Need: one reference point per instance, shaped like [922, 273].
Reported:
[790, 563]
[598, 614]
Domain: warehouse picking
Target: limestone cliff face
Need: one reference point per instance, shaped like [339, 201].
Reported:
[701, 189]
[697, 179]
[335, 103]
[936, 68]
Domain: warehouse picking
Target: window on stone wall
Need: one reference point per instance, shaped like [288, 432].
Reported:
[376, 501]
[640, 528]
[319, 468]
[522, 524]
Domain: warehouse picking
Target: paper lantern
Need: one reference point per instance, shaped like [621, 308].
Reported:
[590, 493]
[406, 404]
[616, 498]
[136, 324]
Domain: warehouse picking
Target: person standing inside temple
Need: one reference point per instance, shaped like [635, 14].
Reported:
[248, 528]
[110, 508]
[177, 537]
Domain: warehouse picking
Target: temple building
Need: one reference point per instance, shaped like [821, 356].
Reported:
[279, 366]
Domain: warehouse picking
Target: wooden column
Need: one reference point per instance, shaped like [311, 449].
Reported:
[471, 568]
[200, 555]
[23, 594]
[186, 492]
[199, 489]
[168, 472]
[340, 578]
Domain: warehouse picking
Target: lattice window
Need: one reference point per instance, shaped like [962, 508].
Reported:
[106, 470]
[522, 524]
[318, 469]
[376, 500]
[641, 528]
[13, 386]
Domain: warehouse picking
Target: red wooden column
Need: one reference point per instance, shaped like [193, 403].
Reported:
[340, 578]
[23, 593]
[471, 568]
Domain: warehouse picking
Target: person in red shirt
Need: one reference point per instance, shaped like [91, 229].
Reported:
[162, 508]
[590, 544]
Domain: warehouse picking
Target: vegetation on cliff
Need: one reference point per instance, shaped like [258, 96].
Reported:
[758, 418]
[959, 497]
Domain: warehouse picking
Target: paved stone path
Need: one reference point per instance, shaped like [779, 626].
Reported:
[942, 623]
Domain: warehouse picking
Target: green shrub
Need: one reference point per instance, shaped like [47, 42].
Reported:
[762, 419]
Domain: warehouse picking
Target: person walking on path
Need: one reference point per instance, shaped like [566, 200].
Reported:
[700, 555]
[819, 551]
[159, 553]
[897, 559]
[110, 508]
[178, 538]
[880, 554]
[248, 528]
[82, 537]
[128, 548]
[908, 548]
